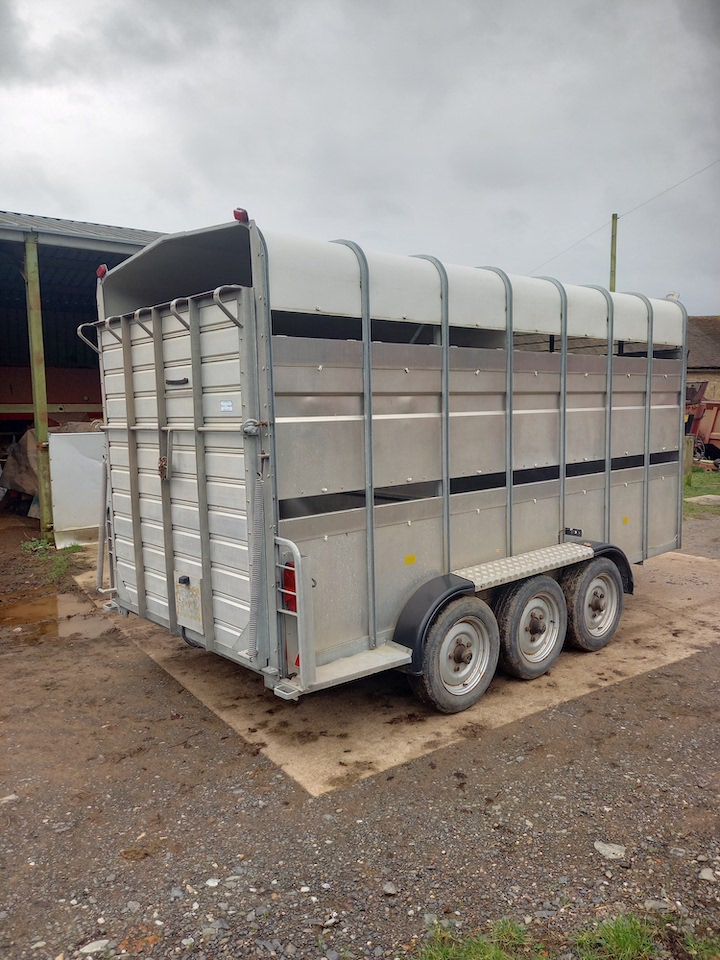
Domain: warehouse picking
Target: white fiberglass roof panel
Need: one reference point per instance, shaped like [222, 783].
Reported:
[404, 288]
[476, 298]
[536, 306]
[587, 313]
[668, 323]
[631, 318]
[313, 276]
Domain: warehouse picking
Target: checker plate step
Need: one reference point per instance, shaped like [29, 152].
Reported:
[496, 572]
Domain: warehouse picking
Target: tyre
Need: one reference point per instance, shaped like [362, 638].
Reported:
[594, 595]
[460, 656]
[532, 619]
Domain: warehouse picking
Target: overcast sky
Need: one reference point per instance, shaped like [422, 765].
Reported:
[481, 131]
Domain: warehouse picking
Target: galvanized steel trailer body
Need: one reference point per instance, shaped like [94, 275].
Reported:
[302, 476]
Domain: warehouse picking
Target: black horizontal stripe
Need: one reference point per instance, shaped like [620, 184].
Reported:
[404, 493]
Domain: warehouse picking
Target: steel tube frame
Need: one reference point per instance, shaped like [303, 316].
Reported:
[368, 434]
[200, 469]
[563, 398]
[133, 467]
[33, 304]
[681, 404]
[445, 403]
[262, 344]
[648, 410]
[509, 386]
[165, 453]
[608, 402]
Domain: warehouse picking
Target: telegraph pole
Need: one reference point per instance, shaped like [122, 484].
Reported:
[613, 252]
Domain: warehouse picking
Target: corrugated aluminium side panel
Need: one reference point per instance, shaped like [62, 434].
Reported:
[536, 509]
[626, 518]
[585, 505]
[585, 421]
[477, 527]
[335, 543]
[628, 407]
[408, 539]
[477, 413]
[536, 417]
[224, 463]
[665, 413]
[662, 519]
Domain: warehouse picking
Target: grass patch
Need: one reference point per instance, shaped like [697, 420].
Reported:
[626, 937]
[56, 563]
[699, 484]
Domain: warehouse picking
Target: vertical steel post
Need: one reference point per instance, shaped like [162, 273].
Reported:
[608, 404]
[39, 384]
[613, 252]
[681, 404]
[648, 424]
[368, 435]
[563, 398]
[445, 404]
[509, 388]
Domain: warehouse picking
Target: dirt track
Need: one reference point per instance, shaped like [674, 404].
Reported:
[131, 792]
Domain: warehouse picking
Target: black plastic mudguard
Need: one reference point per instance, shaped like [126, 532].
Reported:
[618, 557]
[418, 612]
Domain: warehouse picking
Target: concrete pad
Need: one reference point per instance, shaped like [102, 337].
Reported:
[335, 737]
[707, 500]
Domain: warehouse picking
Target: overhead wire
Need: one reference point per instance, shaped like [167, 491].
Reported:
[627, 213]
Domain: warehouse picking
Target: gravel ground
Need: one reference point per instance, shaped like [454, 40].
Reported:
[135, 821]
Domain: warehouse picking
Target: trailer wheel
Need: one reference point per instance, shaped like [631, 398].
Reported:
[460, 656]
[594, 594]
[532, 618]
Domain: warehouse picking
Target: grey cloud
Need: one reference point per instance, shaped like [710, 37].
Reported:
[11, 41]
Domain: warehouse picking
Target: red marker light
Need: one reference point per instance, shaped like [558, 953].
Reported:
[101, 271]
[240, 215]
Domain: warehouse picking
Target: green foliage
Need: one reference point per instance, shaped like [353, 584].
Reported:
[58, 561]
[702, 483]
[36, 546]
[624, 938]
[507, 940]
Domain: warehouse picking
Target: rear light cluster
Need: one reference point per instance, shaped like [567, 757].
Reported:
[289, 589]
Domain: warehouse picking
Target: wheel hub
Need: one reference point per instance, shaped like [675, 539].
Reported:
[598, 603]
[461, 654]
[537, 627]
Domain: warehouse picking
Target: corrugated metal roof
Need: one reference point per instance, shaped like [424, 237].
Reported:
[22, 222]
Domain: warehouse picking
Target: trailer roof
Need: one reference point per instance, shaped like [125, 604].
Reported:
[320, 278]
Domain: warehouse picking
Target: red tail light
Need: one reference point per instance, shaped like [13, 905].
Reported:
[288, 586]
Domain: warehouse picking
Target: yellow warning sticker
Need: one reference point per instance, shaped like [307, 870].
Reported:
[626, 520]
[410, 559]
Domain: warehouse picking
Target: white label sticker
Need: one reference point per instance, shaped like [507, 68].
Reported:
[226, 406]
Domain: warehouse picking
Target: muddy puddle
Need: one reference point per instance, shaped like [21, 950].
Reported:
[52, 615]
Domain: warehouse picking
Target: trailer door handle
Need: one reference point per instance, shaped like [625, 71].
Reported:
[177, 383]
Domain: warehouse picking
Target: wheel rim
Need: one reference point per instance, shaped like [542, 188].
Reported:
[539, 627]
[601, 605]
[464, 656]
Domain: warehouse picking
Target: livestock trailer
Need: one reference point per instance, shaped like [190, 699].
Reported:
[324, 462]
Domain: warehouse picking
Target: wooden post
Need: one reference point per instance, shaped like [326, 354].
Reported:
[39, 384]
[613, 252]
